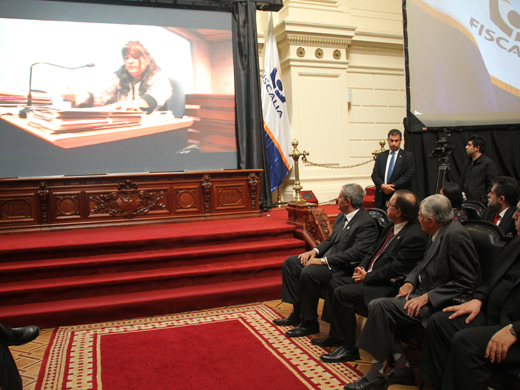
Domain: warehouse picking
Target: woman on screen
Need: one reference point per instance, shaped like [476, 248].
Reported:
[138, 84]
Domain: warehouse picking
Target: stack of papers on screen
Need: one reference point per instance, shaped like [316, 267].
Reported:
[8, 99]
[55, 120]
[11, 99]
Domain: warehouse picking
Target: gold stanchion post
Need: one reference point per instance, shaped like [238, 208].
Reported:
[296, 154]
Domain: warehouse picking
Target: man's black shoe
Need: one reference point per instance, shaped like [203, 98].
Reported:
[23, 335]
[291, 320]
[405, 380]
[363, 384]
[326, 342]
[339, 355]
[302, 330]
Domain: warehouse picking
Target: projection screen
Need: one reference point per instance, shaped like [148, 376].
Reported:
[462, 63]
[72, 56]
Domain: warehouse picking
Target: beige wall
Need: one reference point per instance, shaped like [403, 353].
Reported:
[367, 34]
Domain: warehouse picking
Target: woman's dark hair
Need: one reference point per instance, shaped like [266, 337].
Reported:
[453, 192]
[125, 78]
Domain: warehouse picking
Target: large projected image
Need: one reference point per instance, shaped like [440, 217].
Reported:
[83, 97]
[463, 61]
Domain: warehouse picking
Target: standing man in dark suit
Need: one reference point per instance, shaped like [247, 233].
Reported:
[501, 201]
[9, 376]
[398, 251]
[463, 339]
[393, 170]
[449, 268]
[304, 276]
[479, 171]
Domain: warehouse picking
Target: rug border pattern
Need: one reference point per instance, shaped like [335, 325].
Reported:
[73, 358]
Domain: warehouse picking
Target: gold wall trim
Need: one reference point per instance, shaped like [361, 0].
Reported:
[396, 51]
[317, 41]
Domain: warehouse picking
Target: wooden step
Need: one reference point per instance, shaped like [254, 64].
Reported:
[46, 290]
[141, 261]
[102, 242]
[117, 307]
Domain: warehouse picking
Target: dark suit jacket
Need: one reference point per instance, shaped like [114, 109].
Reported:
[449, 269]
[507, 224]
[350, 244]
[402, 175]
[399, 257]
[511, 307]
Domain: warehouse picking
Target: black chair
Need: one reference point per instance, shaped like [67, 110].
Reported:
[177, 102]
[474, 209]
[381, 218]
[489, 241]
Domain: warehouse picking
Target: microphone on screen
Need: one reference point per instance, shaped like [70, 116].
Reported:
[24, 111]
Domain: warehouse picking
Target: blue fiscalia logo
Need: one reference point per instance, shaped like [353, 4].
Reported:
[274, 87]
[277, 84]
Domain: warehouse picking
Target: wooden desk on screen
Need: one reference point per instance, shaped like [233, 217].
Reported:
[156, 124]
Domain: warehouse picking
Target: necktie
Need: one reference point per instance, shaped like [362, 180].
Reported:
[346, 223]
[388, 238]
[495, 220]
[390, 168]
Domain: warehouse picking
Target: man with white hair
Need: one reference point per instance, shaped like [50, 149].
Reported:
[449, 268]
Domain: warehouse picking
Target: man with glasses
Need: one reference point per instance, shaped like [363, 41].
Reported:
[393, 170]
[400, 247]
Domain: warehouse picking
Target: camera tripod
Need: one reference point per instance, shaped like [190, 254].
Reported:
[444, 173]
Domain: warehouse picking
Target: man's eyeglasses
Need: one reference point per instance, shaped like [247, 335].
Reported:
[388, 204]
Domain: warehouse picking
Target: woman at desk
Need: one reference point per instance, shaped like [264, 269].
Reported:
[138, 84]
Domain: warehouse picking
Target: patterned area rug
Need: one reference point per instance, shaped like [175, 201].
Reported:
[231, 348]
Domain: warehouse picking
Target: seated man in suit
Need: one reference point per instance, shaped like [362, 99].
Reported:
[9, 376]
[449, 267]
[463, 339]
[304, 276]
[393, 170]
[501, 201]
[397, 252]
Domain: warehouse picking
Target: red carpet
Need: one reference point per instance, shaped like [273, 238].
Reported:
[99, 275]
[227, 349]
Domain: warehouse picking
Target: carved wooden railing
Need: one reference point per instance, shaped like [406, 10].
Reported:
[125, 200]
[312, 224]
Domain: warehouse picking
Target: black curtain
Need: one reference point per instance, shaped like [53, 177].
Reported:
[251, 150]
[501, 147]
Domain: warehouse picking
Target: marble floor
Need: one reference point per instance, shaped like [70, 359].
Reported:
[29, 357]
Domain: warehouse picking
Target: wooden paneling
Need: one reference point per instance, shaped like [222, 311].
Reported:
[213, 129]
[47, 204]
